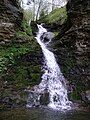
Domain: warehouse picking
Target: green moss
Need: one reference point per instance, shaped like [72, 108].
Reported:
[10, 56]
[27, 29]
[56, 33]
[12, 68]
[75, 95]
[35, 77]
[68, 63]
[58, 15]
[7, 55]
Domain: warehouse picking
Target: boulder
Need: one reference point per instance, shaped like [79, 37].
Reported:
[47, 37]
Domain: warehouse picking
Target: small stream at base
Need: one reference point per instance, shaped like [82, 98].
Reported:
[43, 114]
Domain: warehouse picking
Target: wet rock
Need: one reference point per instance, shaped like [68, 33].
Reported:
[34, 28]
[83, 97]
[47, 37]
[44, 98]
[88, 95]
[37, 97]
[33, 99]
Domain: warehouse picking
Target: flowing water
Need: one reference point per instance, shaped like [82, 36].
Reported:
[53, 81]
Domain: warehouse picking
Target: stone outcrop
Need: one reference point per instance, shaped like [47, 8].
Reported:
[47, 37]
[72, 45]
[10, 19]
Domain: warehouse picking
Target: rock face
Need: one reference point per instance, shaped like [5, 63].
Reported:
[88, 95]
[73, 48]
[20, 56]
[10, 19]
[47, 37]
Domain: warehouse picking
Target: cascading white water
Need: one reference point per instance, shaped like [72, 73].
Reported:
[53, 80]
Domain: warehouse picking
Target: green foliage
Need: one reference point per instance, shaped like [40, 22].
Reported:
[12, 68]
[27, 29]
[16, 71]
[28, 15]
[7, 55]
[75, 95]
[3, 62]
[42, 14]
[57, 15]
[56, 33]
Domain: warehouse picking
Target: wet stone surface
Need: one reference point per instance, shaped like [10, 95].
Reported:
[43, 114]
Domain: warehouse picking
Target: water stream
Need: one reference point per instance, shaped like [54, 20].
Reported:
[53, 84]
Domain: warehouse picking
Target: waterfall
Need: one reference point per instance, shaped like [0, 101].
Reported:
[53, 81]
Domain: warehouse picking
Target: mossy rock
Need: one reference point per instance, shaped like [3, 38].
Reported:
[54, 19]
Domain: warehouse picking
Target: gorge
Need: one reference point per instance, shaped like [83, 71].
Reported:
[21, 61]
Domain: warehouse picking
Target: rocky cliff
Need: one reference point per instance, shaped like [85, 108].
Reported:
[72, 47]
[10, 19]
[20, 56]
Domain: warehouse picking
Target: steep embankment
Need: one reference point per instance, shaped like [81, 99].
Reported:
[20, 56]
